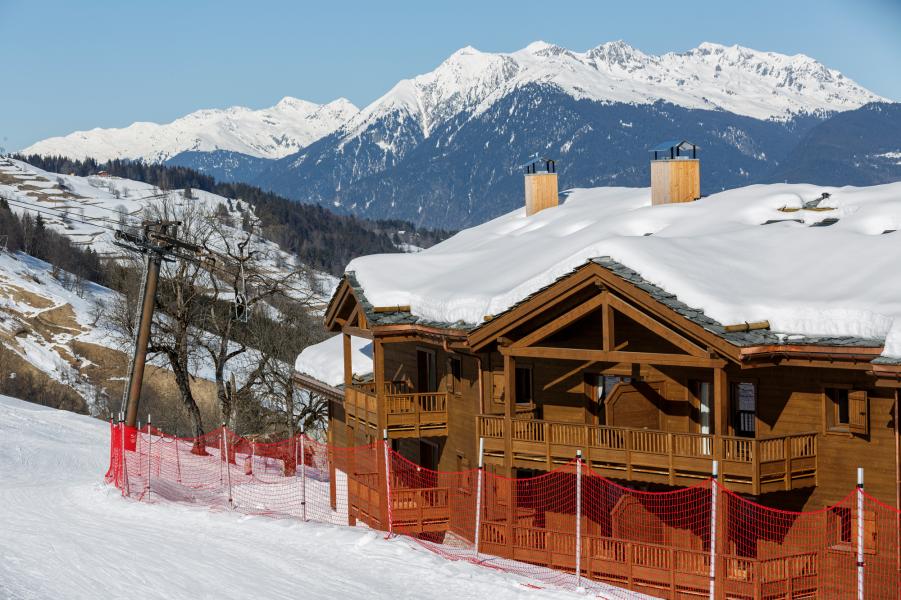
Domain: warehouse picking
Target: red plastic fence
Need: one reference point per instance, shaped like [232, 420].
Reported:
[569, 527]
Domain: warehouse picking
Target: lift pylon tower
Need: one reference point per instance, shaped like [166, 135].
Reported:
[158, 244]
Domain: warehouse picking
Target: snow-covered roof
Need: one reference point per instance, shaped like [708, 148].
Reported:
[325, 361]
[748, 254]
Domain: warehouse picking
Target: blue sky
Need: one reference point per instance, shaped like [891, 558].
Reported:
[67, 65]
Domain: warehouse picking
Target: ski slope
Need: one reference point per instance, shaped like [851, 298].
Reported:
[66, 535]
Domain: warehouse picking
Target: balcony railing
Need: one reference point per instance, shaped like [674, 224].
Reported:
[413, 510]
[406, 414]
[653, 568]
[746, 464]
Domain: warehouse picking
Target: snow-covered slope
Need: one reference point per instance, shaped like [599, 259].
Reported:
[69, 537]
[748, 254]
[273, 132]
[89, 209]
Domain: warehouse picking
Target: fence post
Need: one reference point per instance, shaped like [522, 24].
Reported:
[713, 497]
[177, 460]
[860, 533]
[388, 482]
[228, 472]
[124, 464]
[303, 476]
[221, 457]
[578, 518]
[149, 456]
[479, 493]
[253, 454]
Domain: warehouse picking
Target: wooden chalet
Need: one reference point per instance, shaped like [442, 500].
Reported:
[650, 390]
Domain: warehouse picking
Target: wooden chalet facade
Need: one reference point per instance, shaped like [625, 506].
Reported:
[650, 390]
[652, 393]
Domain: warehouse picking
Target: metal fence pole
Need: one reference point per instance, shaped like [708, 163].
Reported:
[713, 498]
[303, 477]
[860, 533]
[228, 472]
[221, 456]
[124, 464]
[578, 518]
[177, 462]
[149, 456]
[388, 482]
[479, 493]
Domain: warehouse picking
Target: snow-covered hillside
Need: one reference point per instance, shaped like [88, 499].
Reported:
[272, 132]
[762, 252]
[68, 536]
[89, 209]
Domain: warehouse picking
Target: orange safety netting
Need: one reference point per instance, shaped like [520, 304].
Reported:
[568, 527]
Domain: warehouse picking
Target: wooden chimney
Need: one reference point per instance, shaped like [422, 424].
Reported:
[541, 186]
[675, 172]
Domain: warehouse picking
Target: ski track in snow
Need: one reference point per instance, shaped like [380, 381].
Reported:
[66, 535]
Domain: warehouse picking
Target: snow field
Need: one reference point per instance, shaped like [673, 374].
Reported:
[67, 536]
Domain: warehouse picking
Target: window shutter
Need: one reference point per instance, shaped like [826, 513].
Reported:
[497, 386]
[869, 530]
[858, 417]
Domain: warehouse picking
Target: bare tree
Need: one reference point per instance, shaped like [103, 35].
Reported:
[244, 278]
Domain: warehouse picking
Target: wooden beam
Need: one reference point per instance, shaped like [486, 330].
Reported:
[678, 360]
[647, 302]
[608, 337]
[378, 369]
[720, 402]
[356, 332]
[560, 322]
[656, 326]
[509, 409]
[559, 292]
[348, 366]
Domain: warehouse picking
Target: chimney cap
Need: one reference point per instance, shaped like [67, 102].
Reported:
[671, 149]
[539, 165]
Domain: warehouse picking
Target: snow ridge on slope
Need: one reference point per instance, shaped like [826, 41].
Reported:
[274, 132]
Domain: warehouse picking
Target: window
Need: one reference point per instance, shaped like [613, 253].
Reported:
[524, 385]
[426, 376]
[842, 525]
[744, 408]
[846, 410]
[454, 375]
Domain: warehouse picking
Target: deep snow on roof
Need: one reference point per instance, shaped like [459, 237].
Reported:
[325, 361]
[713, 254]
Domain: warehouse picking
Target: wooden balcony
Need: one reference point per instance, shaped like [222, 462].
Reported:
[746, 465]
[406, 414]
[413, 510]
[655, 569]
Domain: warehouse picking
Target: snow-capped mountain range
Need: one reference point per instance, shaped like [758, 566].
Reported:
[274, 132]
[763, 85]
[445, 148]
